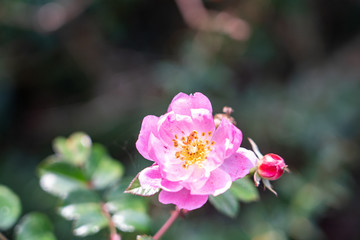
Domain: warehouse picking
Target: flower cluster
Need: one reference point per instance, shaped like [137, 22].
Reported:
[193, 158]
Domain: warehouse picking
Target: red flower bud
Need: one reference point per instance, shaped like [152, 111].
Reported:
[271, 166]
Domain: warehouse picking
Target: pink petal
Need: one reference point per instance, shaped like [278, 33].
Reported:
[151, 177]
[172, 124]
[229, 136]
[170, 186]
[159, 151]
[239, 164]
[202, 120]
[197, 178]
[183, 199]
[148, 126]
[173, 171]
[164, 155]
[182, 103]
[218, 182]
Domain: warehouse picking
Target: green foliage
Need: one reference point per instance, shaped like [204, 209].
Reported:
[89, 222]
[79, 202]
[75, 149]
[85, 208]
[10, 208]
[143, 237]
[60, 178]
[128, 220]
[129, 211]
[225, 203]
[244, 190]
[88, 181]
[34, 226]
[104, 170]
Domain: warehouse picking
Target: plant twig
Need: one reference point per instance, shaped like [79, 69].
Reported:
[113, 233]
[48, 17]
[174, 215]
[2, 237]
[199, 18]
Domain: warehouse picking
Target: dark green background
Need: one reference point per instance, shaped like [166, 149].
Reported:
[294, 86]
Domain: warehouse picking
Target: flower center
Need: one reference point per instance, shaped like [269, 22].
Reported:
[193, 148]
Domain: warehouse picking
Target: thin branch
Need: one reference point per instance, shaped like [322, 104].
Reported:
[174, 215]
[46, 18]
[2, 237]
[113, 233]
[199, 18]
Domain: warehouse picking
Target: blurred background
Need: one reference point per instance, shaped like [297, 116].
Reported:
[289, 68]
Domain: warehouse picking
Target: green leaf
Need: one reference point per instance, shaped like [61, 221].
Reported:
[89, 223]
[130, 211]
[34, 226]
[143, 237]
[84, 207]
[136, 189]
[75, 149]
[79, 202]
[117, 200]
[130, 220]
[10, 208]
[103, 170]
[60, 178]
[225, 203]
[244, 189]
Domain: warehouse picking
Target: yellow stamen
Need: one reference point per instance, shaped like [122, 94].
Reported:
[193, 149]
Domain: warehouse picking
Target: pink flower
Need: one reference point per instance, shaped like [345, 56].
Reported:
[192, 159]
[271, 166]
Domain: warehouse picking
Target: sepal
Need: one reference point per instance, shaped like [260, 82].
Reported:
[136, 188]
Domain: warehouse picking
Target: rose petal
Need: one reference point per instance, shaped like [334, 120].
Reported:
[183, 103]
[218, 182]
[172, 124]
[173, 171]
[229, 135]
[202, 120]
[151, 177]
[197, 178]
[158, 150]
[148, 126]
[239, 164]
[183, 199]
[170, 166]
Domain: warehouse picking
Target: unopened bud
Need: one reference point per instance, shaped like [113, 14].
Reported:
[271, 166]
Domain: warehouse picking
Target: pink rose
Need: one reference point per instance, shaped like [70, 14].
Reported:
[271, 166]
[192, 159]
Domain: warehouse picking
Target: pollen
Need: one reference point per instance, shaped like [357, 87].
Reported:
[193, 148]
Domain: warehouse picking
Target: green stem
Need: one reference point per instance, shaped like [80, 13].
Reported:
[174, 215]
